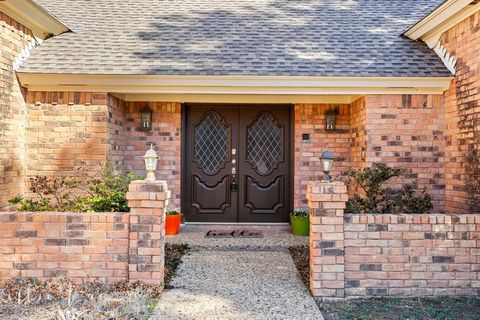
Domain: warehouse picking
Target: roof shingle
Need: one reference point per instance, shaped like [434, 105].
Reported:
[248, 37]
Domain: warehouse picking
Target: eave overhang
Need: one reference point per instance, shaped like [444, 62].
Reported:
[31, 15]
[431, 27]
[236, 88]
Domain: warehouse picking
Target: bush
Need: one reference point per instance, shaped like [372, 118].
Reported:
[104, 192]
[380, 199]
[300, 213]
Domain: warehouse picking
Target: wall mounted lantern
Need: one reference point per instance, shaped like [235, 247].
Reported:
[327, 159]
[146, 119]
[151, 159]
[331, 120]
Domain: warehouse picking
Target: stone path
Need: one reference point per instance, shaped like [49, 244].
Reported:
[237, 285]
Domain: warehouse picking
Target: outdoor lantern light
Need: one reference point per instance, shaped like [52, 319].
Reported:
[146, 119]
[331, 120]
[151, 159]
[327, 163]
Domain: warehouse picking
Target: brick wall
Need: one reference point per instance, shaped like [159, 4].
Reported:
[407, 131]
[78, 246]
[412, 255]
[166, 137]
[14, 37]
[107, 247]
[389, 255]
[462, 115]
[117, 139]
[310, 118]
[66, 130]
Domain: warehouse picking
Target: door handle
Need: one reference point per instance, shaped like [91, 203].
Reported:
[233, 186]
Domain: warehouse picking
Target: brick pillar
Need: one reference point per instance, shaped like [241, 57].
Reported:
[326, 202]
[147, 201]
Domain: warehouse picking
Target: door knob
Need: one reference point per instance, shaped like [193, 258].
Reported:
[234, 170]
[234, 151]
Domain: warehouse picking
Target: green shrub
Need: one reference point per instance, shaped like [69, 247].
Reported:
[379, 199]
[174, 212]
[107, 191]
[300, 213]
[104, 192]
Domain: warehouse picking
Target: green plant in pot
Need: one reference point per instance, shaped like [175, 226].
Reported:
[173, 218]
[300, 221]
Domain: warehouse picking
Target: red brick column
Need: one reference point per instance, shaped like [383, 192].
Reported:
[147, 201]
[326, 202]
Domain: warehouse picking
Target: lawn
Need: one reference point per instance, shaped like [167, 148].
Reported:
[442, 308]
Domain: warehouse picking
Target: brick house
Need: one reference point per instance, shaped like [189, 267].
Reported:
[235, 96]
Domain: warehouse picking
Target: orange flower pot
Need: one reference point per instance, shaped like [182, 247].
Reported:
[172, 224]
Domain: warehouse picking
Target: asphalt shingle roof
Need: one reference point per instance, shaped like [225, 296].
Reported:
[245, 37]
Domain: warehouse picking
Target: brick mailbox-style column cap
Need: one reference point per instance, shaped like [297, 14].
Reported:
[326, 202]
[147, 201]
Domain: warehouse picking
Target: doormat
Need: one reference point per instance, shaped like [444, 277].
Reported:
[241, 233]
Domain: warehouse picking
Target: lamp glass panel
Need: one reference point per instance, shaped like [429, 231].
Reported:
[327, 164]
[330, 122]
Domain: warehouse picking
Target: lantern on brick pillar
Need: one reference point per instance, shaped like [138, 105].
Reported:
[327, 159]
[151, 159]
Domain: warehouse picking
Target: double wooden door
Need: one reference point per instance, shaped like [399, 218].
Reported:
[237, 164]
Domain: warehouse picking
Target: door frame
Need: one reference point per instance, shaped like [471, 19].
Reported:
[291, 142]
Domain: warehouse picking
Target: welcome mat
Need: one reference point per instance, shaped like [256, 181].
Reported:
[241, 233]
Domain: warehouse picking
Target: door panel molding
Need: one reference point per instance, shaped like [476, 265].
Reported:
[212, 204]
[271, 196]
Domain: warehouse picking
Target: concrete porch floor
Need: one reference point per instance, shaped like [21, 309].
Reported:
[275, 238]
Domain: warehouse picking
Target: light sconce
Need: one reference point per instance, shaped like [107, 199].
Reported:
[145, 119]
[331, 120]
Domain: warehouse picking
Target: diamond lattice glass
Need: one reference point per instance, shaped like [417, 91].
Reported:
[211, 143]
[264, 144]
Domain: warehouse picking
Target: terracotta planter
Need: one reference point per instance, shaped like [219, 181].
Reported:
[172, 224]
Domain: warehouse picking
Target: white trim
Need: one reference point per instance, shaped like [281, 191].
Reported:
[243, 98]
[233, 85]
[436, 17]
[430, 28]
[449, 60]
[28, 13]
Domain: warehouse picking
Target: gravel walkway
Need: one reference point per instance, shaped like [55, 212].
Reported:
[271, 241]
[237, 285]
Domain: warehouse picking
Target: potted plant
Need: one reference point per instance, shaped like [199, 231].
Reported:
[172, 221]
[300, 221]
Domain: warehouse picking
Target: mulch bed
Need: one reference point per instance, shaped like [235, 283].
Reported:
[441, 308]
[301, 258]
[59, 298]
[173, 257]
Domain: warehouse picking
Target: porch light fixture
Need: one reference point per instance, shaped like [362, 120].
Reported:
[146, 119]
[151, 159]
[331, 120]
[327, 159]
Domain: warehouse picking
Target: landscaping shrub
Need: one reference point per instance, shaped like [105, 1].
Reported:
[379, 199]
[103, 192]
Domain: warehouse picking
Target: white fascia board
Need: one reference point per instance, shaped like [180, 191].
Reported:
[28, 13]
[437, 18]
[231, 84]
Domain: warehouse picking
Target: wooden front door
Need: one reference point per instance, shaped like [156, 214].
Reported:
[237, 164]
